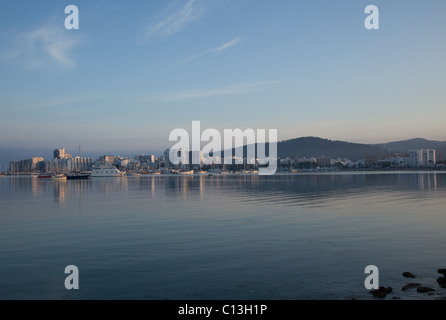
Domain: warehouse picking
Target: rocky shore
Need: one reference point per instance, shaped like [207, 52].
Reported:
[433, 290]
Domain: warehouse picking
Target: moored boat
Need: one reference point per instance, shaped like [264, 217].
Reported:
[186, 172]
[109, 171]
[59, 177]
[133, 174]
[78, 176]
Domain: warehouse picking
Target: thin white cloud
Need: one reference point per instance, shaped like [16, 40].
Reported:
[46, 46]
[208, 93]
[173, 19]
[214, 50]
[52, 103]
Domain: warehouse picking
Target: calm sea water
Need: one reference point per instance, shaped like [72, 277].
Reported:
[300, 236]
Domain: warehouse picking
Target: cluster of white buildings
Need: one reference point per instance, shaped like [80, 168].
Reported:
[65, 165]
[422, 158]
[62, 162]
[26, 166]
[318, 162]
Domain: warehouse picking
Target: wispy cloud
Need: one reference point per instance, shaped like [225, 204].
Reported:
[208, 93]
[53, 103]
[50, 44]
[173, 19]
[213, 50]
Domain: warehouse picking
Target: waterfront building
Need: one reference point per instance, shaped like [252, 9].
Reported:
[61, 154]
[27, 166]
[109, 159]
[66, 165]
[422, 158]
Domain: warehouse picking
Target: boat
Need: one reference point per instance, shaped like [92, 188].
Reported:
[59, 177]
[151, 172]
[109, 171]
[133, 174]
[202, 172]
[78, 176]
[44, 176]
[186, 172]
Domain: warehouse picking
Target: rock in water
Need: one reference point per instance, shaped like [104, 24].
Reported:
[425, 289]
[442, 271]
[381, 292]
[408, 275]
[411, 286]
[442, 282]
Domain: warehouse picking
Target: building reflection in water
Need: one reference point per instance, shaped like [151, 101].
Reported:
[427, 181]
[60, 191]
[246, 188]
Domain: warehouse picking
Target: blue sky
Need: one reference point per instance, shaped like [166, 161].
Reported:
[135, 70]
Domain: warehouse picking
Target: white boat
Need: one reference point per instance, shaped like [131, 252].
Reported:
[59, 177]
[186, 172]
[109, 171]
[133, 174]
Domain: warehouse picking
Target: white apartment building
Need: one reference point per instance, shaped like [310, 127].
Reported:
[423, 158]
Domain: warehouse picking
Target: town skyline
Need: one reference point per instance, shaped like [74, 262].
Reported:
[132, 73]
[397, 153]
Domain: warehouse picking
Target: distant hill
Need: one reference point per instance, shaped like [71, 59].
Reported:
[417, 143]
[309, 147]
[314, 147]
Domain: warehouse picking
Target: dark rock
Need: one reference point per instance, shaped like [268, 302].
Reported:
[425, 289]
[408, 275]
[381, 292]
[442, 282]
[411, 286]
[442, 271]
